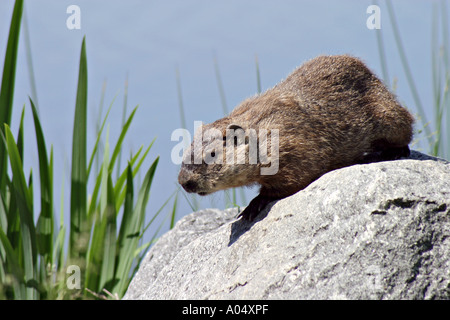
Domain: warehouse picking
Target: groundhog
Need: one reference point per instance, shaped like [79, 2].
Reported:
[329, 113]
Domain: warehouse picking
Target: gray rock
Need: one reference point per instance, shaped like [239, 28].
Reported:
[375, 231]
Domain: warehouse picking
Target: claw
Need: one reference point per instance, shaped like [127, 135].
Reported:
[255, 207]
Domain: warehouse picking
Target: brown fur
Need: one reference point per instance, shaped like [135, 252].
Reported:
[331, 112]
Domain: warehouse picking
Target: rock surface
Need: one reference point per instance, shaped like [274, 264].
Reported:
[375, 231]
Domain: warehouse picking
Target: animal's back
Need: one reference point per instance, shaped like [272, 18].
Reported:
[332, 109]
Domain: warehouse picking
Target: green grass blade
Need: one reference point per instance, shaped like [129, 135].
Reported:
[125, 226]
[436, 69]
[58, 248]
[98, 124]
[234, 200]
[382, 55]
[78, 192]
[223, 100]
[109, 247]
[13, 220]
[146, 246]
[407, 71]
[31, 76]
[145, 191]
[121, 181]
[446, 62]
[193, 206]
[183, 125]
[138, 165]
[119, 184]
[20, 143]
[131, 227]
[140, 252]
[99, 134]
[157, 212]
[174, 212]
[445, 105]
[258, 75]
[445, 35]
[8, 80]
[94, 196]
[118, 146]
[45, 222]
[30, 190]
[105, 174]
[128, 237]
[180, 98]
[96, 248]
[124, 115]
[13, 266]
[435, 57]
[94, 260]
[25, 206]
[3, 213]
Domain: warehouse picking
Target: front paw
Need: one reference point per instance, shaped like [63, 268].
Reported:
[255, 207]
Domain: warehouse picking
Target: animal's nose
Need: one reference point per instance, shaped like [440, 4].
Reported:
[187, 184]
[190, 186]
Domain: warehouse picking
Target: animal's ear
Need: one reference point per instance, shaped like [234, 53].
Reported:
[231, 127]
[239, 134]
[235, 127]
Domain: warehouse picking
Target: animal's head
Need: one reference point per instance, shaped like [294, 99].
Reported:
[221, 156]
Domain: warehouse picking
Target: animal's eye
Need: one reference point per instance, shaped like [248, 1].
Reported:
[213, 154]
[236, 141]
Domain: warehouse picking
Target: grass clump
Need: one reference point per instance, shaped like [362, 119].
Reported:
[104, 251]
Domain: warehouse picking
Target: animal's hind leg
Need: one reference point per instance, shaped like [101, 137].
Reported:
[384, 151]
[394, 153]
